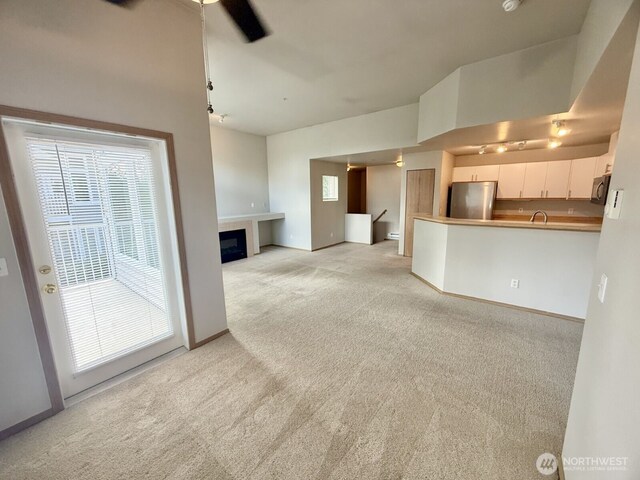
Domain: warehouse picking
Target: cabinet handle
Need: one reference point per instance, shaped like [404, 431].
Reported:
[569, 196]
[541, 193]
[520, 193]
[547, 194]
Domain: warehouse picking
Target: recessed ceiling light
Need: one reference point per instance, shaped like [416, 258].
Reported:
[501, 148]
[483, 150]
[554, 143]
[522, 145]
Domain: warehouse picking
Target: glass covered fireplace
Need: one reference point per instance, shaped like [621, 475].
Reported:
[233, 245]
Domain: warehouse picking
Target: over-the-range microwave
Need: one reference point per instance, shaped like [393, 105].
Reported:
[600, 189]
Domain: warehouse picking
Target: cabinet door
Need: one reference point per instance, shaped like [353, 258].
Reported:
[557, 183]
[487, 173]
[511, 180]
[464, 174]
[604, 165]
[535, 177]
[582, 175]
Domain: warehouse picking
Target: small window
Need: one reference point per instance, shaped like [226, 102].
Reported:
[329, 188]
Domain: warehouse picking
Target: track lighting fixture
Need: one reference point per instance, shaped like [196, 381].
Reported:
[205, 49]
[554, 143]
[561, 128]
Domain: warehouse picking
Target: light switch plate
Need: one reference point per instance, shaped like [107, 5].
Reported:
[3, 267]
[614, 204]
[602, 288]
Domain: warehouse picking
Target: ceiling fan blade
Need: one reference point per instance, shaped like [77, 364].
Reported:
[243, 13]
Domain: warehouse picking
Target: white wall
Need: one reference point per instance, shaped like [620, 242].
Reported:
[240, 167]
[289, 154]
[527, 83]
[358, 228]
[604, 415]
[602, 21]
[439, 107]
[554, 268]
[420, 161]
[23, 389]
[327, 218]
[383, 192]
[137, 66]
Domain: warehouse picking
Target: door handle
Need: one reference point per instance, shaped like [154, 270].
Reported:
[45, 269]
[50, 288]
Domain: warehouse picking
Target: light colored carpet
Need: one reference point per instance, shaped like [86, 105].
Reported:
[339, 365]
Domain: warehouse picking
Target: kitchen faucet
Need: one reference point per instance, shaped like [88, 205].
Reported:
[544, 215]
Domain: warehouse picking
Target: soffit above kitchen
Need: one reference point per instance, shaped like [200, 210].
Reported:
[331, 59]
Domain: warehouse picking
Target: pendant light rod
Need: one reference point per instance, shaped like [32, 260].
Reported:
[205, 49]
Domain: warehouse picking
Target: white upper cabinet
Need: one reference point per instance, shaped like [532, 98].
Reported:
[511, 180]
[486, 173]
[604, 165]
[557, 183]
[557, 179]
[534, 180]
[464, 174]
[581, 179]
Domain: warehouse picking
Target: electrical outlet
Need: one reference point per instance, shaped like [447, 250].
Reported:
[515, 283]
[3, 267]
[571, 210]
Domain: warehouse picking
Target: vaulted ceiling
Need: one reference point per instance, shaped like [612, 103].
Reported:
[332, 59]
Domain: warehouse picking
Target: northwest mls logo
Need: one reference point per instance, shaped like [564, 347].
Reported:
[547, 464]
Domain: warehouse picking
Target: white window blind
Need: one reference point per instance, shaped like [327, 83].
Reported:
[100, 212]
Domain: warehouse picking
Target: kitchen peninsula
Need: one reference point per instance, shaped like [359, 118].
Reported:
[548, 268]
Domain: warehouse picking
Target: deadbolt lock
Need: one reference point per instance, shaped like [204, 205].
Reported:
[45, 269]
[50, 288]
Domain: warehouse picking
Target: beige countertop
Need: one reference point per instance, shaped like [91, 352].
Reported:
[572, 227]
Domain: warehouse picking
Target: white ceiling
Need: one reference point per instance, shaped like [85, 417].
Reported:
[333, 59]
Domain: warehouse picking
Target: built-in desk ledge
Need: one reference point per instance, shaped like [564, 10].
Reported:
[257, 217]
[250, 224]
[551, 225]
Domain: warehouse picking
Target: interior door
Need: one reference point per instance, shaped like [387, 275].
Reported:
[419, 200]
[97, 216]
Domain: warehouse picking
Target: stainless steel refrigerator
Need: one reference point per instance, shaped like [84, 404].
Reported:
[473, 200]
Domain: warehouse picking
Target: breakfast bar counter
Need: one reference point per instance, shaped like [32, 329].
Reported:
[546, 268]
[538, 224]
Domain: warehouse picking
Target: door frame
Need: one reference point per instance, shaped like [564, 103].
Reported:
[23, 250]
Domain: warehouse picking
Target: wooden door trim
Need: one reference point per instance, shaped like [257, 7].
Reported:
[406, 204]
[23, 249]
